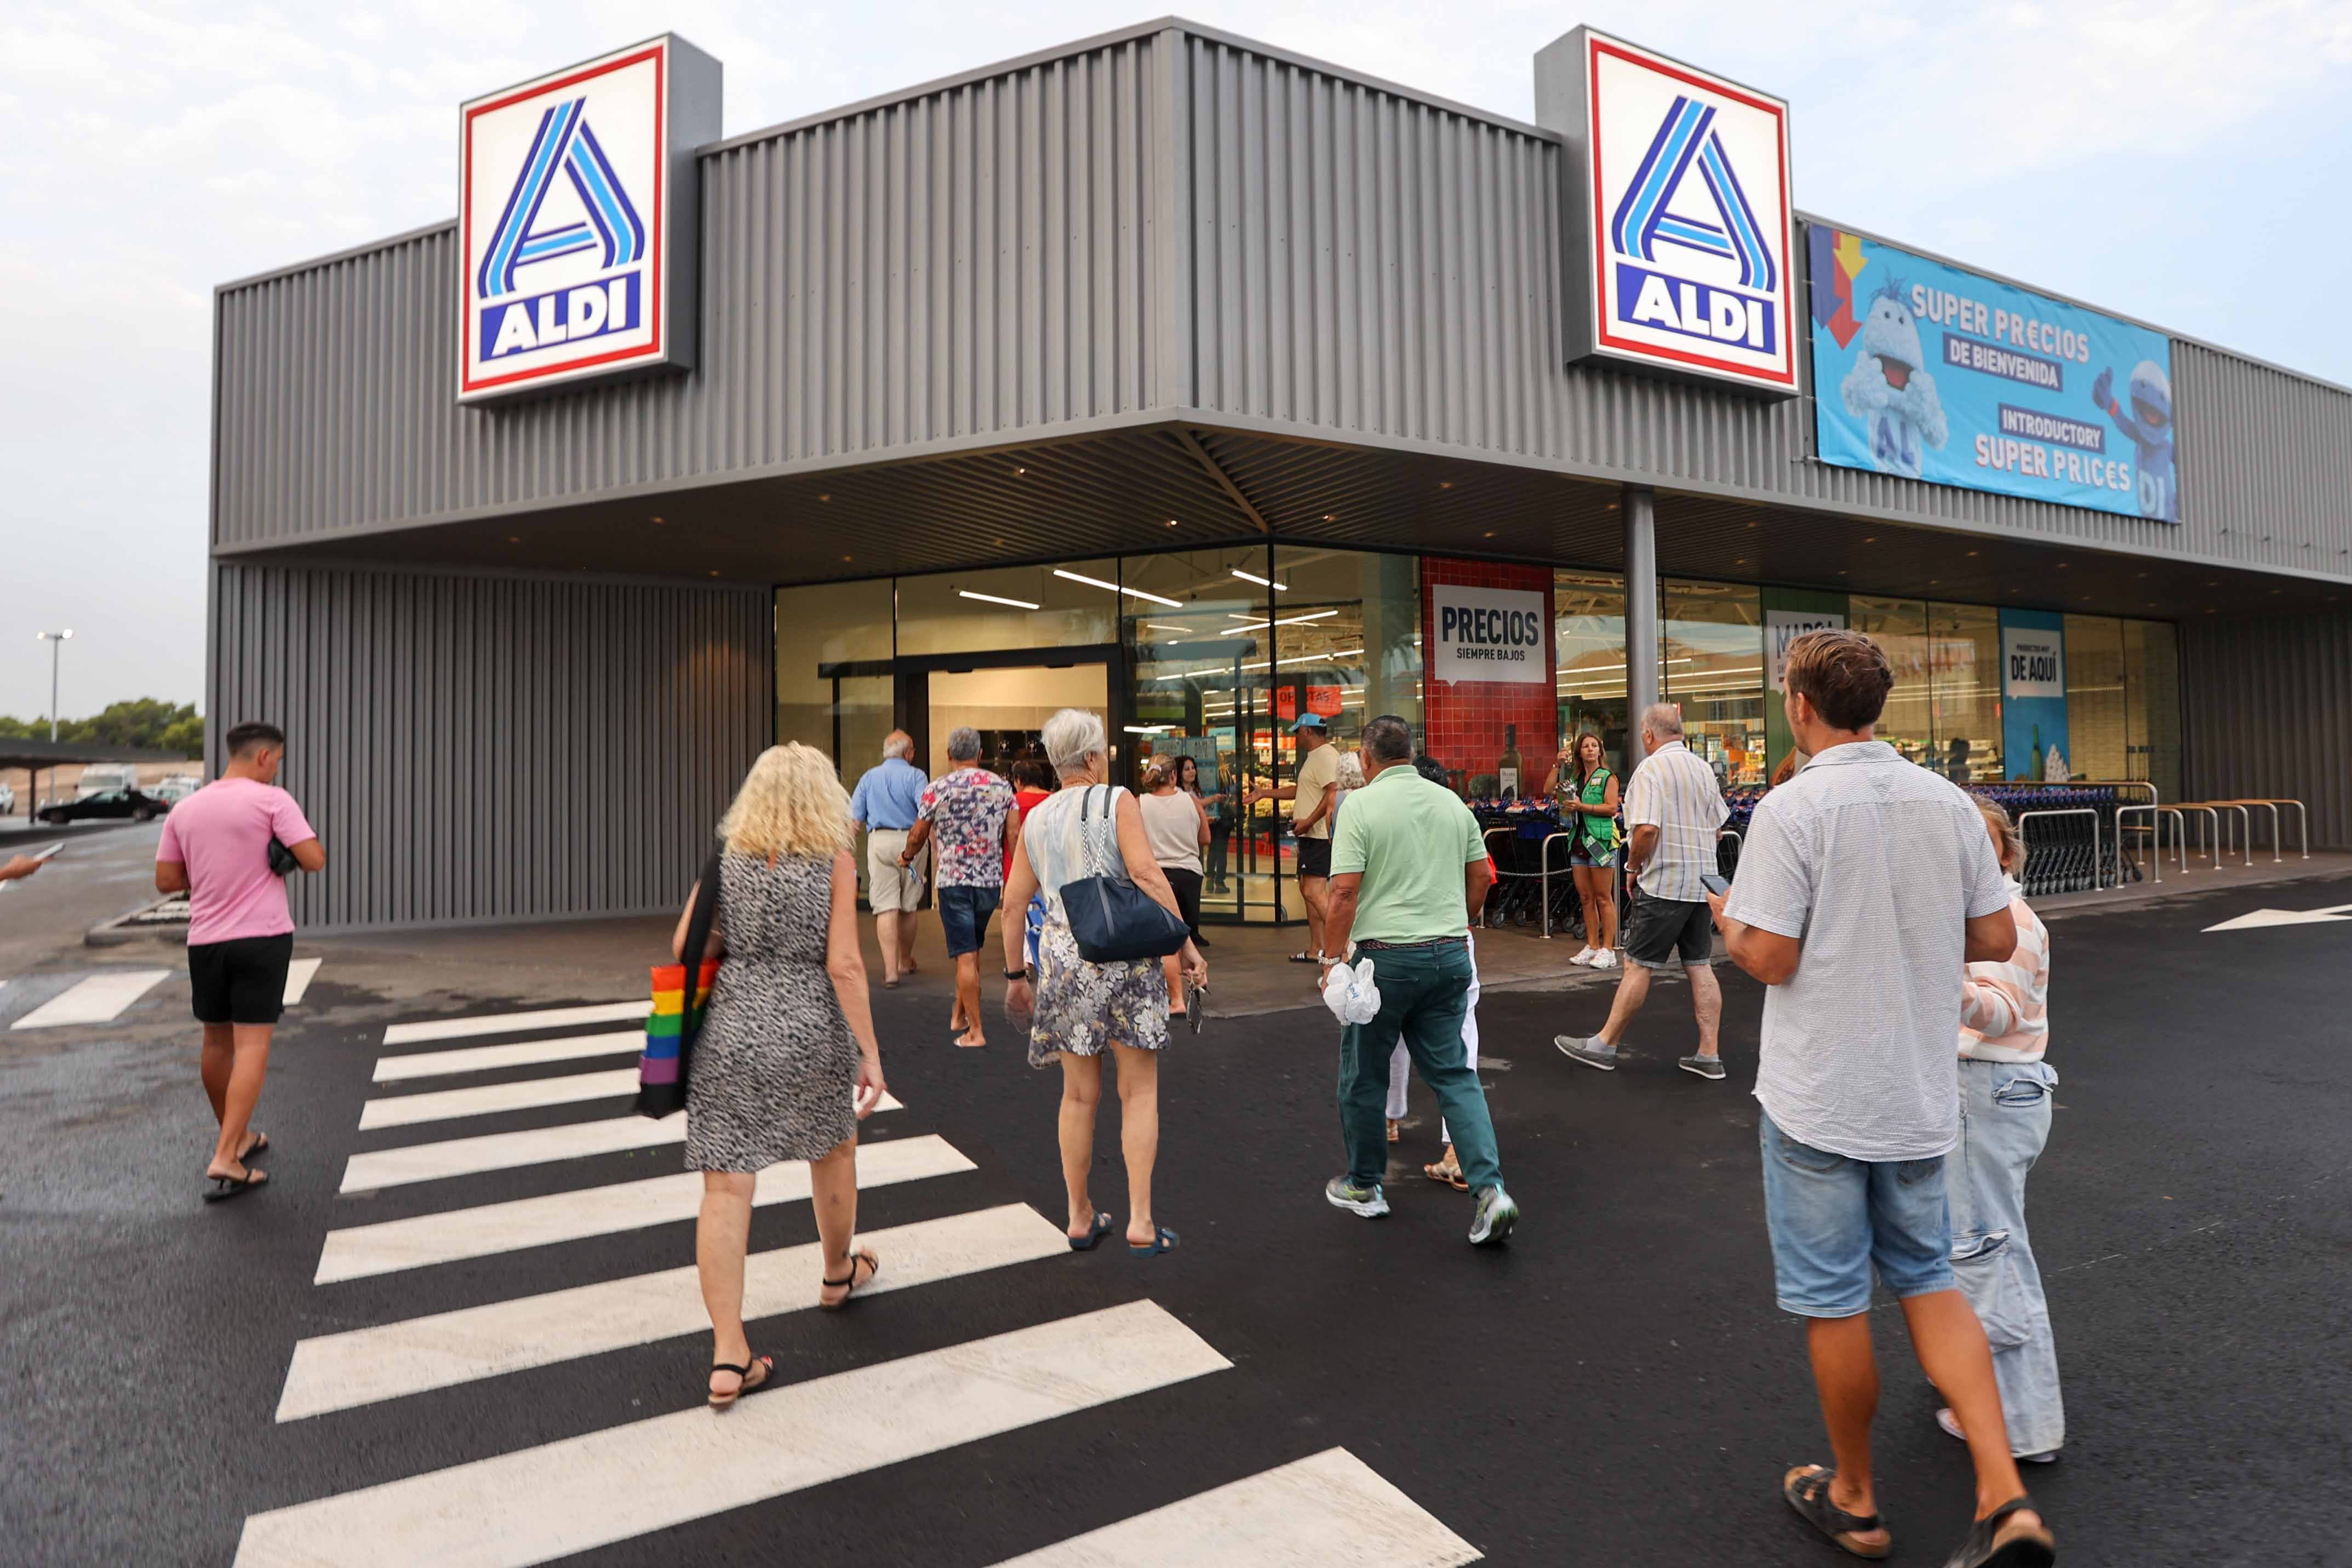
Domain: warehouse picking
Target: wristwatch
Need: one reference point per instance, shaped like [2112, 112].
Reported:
[1022, 974]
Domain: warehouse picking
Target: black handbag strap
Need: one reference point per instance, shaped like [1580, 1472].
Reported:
[698, 937]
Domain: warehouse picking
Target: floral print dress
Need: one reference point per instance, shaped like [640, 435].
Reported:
[1083, 1006]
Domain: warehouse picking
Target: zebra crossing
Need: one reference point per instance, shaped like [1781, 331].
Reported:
[649, 1472]
[103, 997]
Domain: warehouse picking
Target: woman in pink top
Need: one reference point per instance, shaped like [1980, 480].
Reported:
[2005, 1093]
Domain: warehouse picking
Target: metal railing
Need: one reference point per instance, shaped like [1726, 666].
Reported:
[2156, 814]
[2037, 884]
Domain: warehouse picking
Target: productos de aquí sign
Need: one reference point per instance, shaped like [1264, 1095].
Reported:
[577, 219]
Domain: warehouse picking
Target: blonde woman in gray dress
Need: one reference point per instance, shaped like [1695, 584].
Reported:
[786, 1064]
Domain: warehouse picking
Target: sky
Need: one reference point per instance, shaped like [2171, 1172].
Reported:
[2180, 160]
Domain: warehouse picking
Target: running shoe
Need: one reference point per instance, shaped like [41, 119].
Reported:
[1582, 958]
[1363, 1198]
[1604, 959]
[1492, 1220]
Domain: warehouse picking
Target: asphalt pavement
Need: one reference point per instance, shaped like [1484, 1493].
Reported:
[1614, 1386]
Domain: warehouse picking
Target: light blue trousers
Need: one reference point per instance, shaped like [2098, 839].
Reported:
[2004, 1122]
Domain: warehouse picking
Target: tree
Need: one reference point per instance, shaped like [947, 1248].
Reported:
[144, 723]
[185, 735]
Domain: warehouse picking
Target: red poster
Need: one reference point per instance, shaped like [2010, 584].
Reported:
[1323, 699]
[1286, 702]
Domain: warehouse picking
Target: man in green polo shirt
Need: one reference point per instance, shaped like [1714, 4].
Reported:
[1407, 867]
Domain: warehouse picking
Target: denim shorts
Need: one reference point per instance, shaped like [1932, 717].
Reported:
[1832, 1218]
[963, 914]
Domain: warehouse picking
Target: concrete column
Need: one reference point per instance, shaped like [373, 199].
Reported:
[1641, 516]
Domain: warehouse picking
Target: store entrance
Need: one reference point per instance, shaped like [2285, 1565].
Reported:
[1008, 704]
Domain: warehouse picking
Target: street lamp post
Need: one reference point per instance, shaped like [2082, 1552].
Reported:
[57, 641]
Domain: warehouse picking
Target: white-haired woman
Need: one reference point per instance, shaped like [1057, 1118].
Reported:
[786, 1064]
[1078, 1008]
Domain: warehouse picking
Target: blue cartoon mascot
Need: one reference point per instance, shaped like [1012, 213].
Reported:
[2149, 426]
[1891, 392]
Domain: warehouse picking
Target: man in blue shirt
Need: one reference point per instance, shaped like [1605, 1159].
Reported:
[886, 804]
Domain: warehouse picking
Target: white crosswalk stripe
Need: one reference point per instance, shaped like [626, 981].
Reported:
[523, 1053]
[636, 1478]
[1328, 1511]
[631, 1479]
[100, 999]
[298, 976]
[336, 1372]
[509, 1151]
[392, 1246]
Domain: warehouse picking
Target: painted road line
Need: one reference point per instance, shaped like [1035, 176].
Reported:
[521, 1054]
[339, 1372]
[391, 1246]
[629, 1480]
[506, 1151]
[298, 976]
[448, 1104]
[512, 1023]
[1330, 1511]
[96, 1000]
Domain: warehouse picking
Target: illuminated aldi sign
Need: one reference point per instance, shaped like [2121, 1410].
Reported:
[577, 220]
[1682, 225]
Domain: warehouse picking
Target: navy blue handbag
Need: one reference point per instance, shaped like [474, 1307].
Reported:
[1113, 920]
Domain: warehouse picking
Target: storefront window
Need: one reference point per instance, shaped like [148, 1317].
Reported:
[1964, 649]
[1899, 627]
[1715, 674]
[1069, 604]
[1589, 634]
[2095, 697]
[833, 670]
[2151, 664]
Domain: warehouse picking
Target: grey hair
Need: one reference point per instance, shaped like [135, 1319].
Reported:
[897, 744]
[1351, 771]
[1072, 736]
[1389, 738]
[963, 744]
[1662, 719]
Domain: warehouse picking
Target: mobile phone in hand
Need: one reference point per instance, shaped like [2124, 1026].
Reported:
[1718, 886]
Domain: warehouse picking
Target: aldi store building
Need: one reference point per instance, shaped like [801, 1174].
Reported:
[1180, 376]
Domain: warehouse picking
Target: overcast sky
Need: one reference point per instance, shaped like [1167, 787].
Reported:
[2182, 161]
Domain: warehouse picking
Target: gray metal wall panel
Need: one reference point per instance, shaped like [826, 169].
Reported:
[476, 749]
[974, 261]
[2267, 710]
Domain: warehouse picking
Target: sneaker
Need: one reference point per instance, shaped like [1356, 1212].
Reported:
[1706, 1066]
[1363, 1198]
[1492, 1220]
[1951, 1423]
[1583, 957]
[1593, 1052]
[1604, 959]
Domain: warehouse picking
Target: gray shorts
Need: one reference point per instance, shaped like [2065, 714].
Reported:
[890, 887]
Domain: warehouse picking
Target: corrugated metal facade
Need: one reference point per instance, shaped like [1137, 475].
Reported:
[2267, 703]
[481, 748]
[1164, 222]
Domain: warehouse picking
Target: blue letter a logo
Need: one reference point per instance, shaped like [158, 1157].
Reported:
[565, 144]
[1642, 222]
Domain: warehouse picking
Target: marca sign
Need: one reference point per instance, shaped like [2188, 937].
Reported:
[577, 219]
[1682, 226]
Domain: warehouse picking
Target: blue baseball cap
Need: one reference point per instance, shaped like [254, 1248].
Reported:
[1310, 721]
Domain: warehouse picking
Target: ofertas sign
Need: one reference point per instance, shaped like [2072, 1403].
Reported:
[578, 218]
[1930, 372]
[1682, 226]
[1488, 634]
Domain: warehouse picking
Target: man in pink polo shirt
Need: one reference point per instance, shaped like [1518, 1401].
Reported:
[217, 847]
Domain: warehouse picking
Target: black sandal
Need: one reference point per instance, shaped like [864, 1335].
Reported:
[234, 1187]
[2031, 1546]
[743, 1384]
[1807, 1491]
[873, 1267]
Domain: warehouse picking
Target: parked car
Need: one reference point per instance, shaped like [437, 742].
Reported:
[133, 804]
[176, 787]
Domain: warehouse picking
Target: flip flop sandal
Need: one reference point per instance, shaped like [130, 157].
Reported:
[1396, 1131]
[260, 1144]
[1161, 1242]
[2027, 1546]
[873, 1267]
[767, 1375]
[225, 1187]
[1448, 1172]
[1807, 1491]
[1093, 1238]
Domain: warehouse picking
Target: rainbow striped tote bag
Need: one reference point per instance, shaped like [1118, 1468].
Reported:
[677, 1017]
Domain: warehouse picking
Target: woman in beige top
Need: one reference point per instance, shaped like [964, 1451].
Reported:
[1176, 827]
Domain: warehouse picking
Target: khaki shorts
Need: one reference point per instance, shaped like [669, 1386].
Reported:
[890, 887]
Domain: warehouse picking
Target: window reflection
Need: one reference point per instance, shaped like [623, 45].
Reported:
[1588, 633]
[1964, 653]
[1715, 673]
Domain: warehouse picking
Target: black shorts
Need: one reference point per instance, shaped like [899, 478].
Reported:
[1313, 856]
[241, 981]
[1664, 932]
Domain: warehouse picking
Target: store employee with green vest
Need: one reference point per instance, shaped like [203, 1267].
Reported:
[1407, 867]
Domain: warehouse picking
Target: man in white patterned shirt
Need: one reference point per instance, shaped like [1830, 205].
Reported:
[1672, 812]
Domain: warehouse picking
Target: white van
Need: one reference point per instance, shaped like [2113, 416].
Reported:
[100, 777]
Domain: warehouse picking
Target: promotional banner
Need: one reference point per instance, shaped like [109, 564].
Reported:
[2034, 694]
[1490, 634]
[1931, 372]
[1790, 614]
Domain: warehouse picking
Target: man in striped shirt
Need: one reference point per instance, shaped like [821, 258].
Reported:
[1672, 811]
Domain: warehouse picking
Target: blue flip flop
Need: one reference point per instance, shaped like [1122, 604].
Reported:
[1162, 1243]
[1093, 1238]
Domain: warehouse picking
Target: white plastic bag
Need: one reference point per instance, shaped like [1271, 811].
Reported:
[1348, 992]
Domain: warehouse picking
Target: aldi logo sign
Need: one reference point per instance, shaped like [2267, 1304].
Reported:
[577, 217]
[1683, 225]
